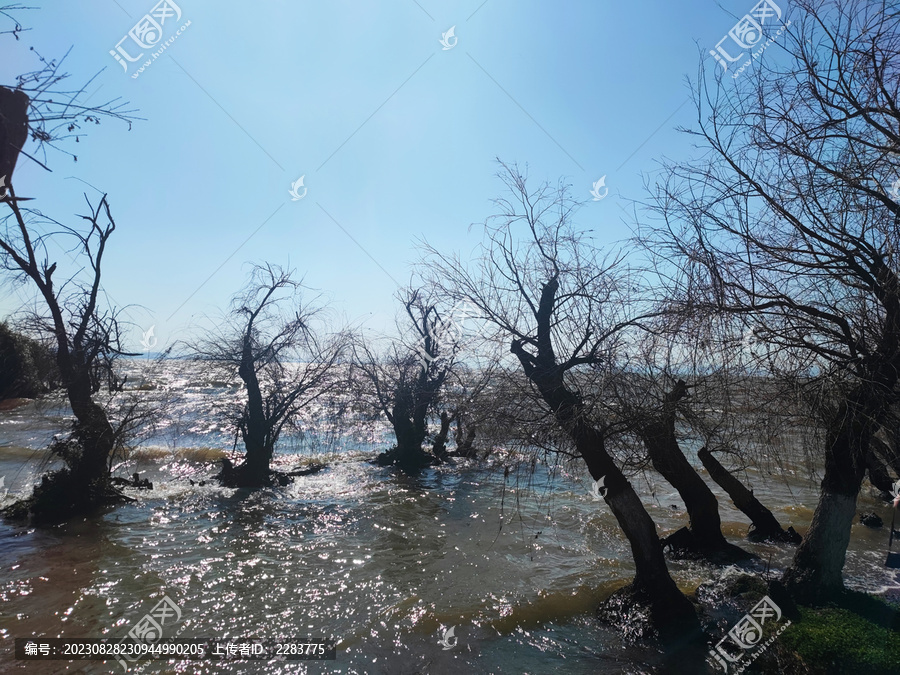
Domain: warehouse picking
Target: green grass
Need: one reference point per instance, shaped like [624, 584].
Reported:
[836, 640]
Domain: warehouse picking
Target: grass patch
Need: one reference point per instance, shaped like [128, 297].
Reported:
[181, 454]
[834, 640]
[201, 454]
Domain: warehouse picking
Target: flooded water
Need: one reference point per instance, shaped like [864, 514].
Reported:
[514, 561]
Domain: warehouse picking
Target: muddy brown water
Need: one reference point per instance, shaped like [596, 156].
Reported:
[385, 564]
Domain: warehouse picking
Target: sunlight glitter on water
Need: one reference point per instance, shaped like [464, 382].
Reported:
[382, 562]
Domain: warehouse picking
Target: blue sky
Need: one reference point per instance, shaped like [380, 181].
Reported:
[395, 136]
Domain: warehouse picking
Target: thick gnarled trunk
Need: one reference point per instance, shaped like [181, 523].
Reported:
[815, 574]
[410, 429]
[672, 614]
[659, 439]
[96, 436]
[702, 505]
[255, 428]
[409, 418]
[84, 485]
[651, 573]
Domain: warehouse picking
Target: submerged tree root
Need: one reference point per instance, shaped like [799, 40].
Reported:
[245, 476]
[61, 497]
[684, 545]
[407, 461]
[639, 617]
[788, 536]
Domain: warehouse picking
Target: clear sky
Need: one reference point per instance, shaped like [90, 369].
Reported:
[394, 135]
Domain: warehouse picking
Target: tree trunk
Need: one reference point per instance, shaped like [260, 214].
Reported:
[672, 614]
[877, 470]
[465, 438]
[13, 129]
[439, 448]
[882, 458]
[410, 431]
[765, 525]
[85, 483]
[95, 434]
[702, 506]
[816, 571]
[815, 575]
[255, 470]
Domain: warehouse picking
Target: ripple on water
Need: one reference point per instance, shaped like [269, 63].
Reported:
[384, 563]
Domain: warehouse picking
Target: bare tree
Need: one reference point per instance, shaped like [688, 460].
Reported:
[566, 312]
[42, 104]
[789, 224]
[651, 400]
[281, 349]
[86, 336]
[471, 404]
[404, 382]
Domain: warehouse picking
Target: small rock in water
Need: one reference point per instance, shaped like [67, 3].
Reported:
[870, 519]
